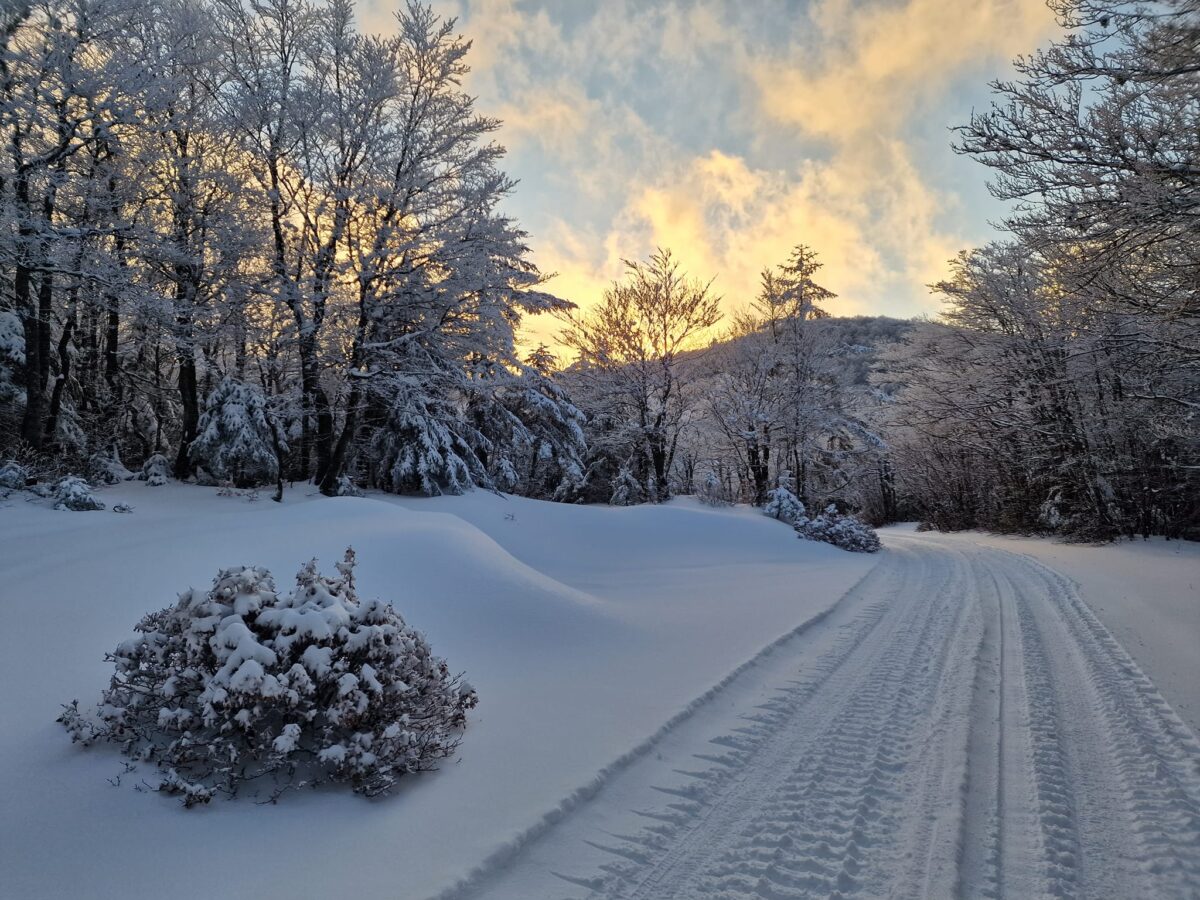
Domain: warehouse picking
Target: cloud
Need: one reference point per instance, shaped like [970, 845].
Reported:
[729, 132]
[867, 68]
[722, 217]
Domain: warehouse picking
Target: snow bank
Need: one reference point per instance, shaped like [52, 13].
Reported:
[584, 630]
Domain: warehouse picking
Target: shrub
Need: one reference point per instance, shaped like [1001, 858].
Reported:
[107, 468]
[13, 475]
[240, 684]
[842, 531]
[783, 505]
[156, 471]
[73, 493]
[711, 492]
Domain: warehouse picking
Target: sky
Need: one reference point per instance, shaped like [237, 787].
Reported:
[731, 131]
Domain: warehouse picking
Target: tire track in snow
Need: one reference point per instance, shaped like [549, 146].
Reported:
[814, 805]
[477, 880]
[969, 729]
[1135, 763]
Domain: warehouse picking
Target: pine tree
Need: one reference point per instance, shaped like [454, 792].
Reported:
[238, 438]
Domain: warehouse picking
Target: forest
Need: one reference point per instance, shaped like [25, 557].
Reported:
[248, 243]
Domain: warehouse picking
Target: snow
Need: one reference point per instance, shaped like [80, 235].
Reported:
[1147, 593]
[959, 724]
[584, 629]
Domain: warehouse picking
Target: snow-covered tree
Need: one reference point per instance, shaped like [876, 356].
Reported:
[13, 475]
[629, 351]
[710, 491]
[627, 489]
[237, 437]
[241, 685]
[155, 471]
[782, 503]
[74, 493]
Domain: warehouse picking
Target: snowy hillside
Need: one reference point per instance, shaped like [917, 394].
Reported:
[584, 629]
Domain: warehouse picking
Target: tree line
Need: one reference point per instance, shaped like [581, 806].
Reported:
[248, 238]
[198, 192]
[1065, 395]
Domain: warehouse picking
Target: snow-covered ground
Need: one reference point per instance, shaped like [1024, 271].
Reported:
[585, 630]
[961, 724]
[675, 702]
[1146, 592]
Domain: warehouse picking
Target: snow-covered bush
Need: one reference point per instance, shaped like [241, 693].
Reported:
[711, 492]
[783, 505]
[627, 490]
[73, 493]
[237, 436]
[242, 684]
[13, 475]
[832, 527]
[156, 471]
[347, 488]
[107, 468]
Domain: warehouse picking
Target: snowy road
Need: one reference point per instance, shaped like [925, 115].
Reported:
[960, 724]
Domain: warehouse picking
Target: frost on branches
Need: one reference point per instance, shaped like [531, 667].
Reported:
[241, 684]
[832, 527]
[237, 436]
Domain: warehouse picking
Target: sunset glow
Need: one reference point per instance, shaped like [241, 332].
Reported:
[730, 132]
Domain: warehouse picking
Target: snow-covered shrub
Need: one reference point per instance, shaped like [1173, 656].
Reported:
[846, 532]
[156, 471]
[347, 488]
[711, 492]
[73, 493]
[627, 490]
[242, 684]
[13, 475]
[783, 505]
[107, 468]
[237, 436]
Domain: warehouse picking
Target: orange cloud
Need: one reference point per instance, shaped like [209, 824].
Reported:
[860, 211]
[878, 63]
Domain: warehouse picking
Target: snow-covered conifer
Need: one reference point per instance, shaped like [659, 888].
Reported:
[13, 475]
[237, 436]
[782, 504]
[73, 493]
[107, 468]
[347, 488]
[711, 491]
[627, 490]
[242, 685]
[156, 471]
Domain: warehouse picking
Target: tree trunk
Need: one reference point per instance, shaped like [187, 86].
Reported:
[191, 410]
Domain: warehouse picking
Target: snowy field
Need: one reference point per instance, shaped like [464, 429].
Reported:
[676, 701]
[584, 629]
